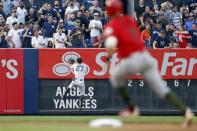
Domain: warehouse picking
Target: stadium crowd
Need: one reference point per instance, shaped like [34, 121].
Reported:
[79, 24]
[173, 24]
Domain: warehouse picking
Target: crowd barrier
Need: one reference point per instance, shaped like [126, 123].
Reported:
[32, 81]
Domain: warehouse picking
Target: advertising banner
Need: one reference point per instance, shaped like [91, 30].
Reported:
[11, 79]
[101, 98]
[172, 63]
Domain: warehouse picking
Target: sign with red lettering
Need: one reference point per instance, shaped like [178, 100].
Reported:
[172, 63]
[11, 79]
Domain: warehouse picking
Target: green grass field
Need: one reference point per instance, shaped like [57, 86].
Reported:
[80, 123]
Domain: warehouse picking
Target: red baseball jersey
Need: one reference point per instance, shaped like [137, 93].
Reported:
[125, 29]
[183, 42]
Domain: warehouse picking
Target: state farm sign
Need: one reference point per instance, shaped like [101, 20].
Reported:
[173, 64]
[179, 66]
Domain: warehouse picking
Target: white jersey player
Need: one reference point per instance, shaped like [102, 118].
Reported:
[79, 71]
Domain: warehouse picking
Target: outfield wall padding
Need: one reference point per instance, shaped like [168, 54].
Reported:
[33, 80]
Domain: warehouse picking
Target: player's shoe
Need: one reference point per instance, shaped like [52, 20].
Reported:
[188, 118]
[128, 112]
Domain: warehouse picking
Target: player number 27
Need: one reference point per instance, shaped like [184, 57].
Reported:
[79, 68]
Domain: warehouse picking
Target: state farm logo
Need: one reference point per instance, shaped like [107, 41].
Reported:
[63, 69]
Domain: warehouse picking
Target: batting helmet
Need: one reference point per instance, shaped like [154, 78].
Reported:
[114, 7]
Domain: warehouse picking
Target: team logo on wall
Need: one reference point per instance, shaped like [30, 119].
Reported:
[63, 69]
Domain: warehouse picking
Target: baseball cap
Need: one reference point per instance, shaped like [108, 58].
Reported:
[96, 14]
[163, 31]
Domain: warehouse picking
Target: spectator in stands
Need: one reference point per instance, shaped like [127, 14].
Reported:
[61, 25]
[85, 24]
[50, 44]
[49, 28]
[60, 39]
[77, 37]
[182, 38]
[176, 17]
[11, 19]
[88, 3]
[192, 4]
[161, 41]
[36, 26]
[163, 20]
[193, 34]
[170, 32]
[189, 22]
[96, 28]
[27, 35]
[15, 3]
[2, 11]
[3, 42]
[58, 9]
[105, 18]
[78, 24]
[146, 16]
[82, 9]
[2, 20]
[156, 9]
[70, 23]
[155, 31]
[37, 40]
[50, 12]
[79, 15]
[153, 18]
[21, 30]
[14, 37]
[32, 16]
[159, 16]
[21, 12]
[185, 15]
[167, 4]
[71, 8]
[146, 35]
[7, 5]
[43, 9]
[95, 8]
[41, 19]
[140, 9]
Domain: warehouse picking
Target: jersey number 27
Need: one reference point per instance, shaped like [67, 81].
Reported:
[79, 68]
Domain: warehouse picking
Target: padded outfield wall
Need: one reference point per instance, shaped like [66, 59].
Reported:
[33, 82]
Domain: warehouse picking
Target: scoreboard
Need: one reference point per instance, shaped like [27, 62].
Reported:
[100, 98]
